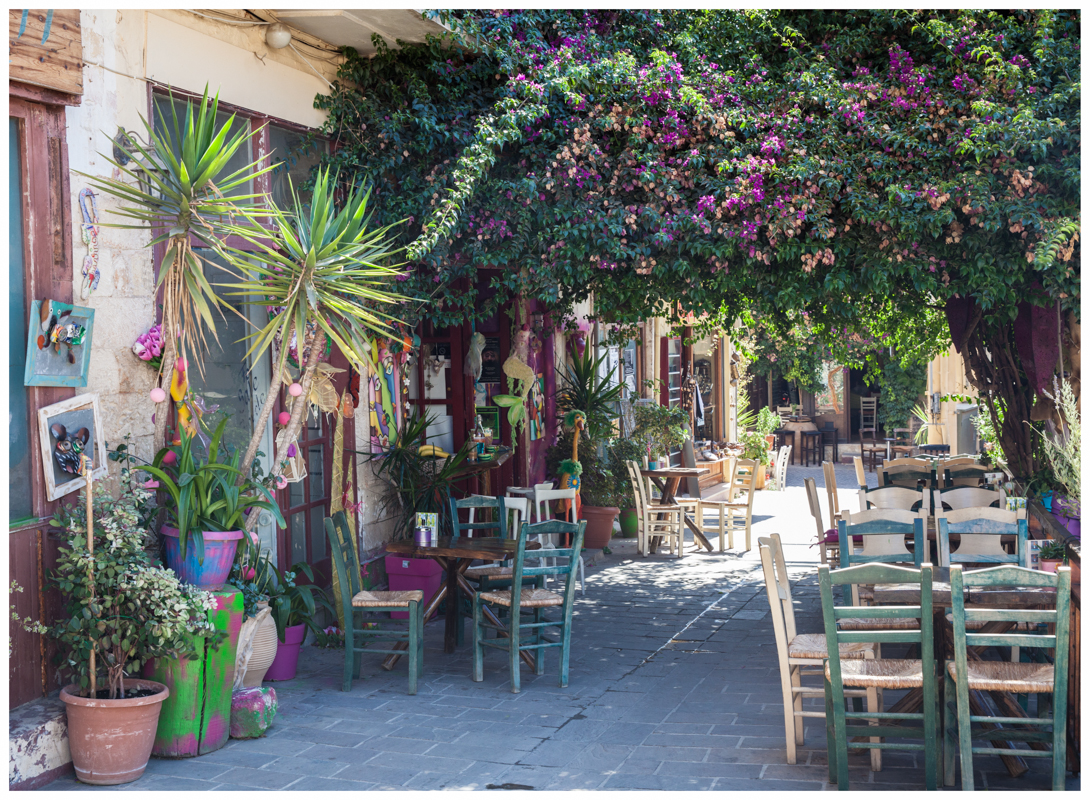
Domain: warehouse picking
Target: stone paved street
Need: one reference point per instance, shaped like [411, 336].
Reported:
[674, 685]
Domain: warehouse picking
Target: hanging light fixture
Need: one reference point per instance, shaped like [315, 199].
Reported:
[277, 36]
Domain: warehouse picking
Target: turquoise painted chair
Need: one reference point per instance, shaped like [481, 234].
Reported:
[355, 600]
[532, 601]
[883, 532]
[981, 530]
[475, 528]
[977, 675]
[881, 673]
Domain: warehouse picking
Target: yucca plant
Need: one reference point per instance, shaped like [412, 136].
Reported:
[584, 389]
[180, 191]
[322, 266]
[208, 495]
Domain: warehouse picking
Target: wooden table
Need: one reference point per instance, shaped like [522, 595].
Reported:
[1003, 597]
[667, 481]
[455, 556]
[796, 428]
[483, 468]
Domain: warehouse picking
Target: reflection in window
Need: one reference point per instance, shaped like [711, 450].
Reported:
[294, 157]
[164, 125]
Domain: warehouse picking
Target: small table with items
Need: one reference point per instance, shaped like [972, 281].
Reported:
[455, 556]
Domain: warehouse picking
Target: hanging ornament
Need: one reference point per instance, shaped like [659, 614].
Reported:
[295, 390]
[89, 233]
[284, 418]
[158, 395]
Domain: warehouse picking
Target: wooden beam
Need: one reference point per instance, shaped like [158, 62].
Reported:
[46, 49]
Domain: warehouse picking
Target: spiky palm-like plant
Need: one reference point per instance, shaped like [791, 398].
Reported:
[317, 265]
[180, 191]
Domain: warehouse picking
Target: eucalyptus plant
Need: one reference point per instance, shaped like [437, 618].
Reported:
[175, 185]
[327, 272]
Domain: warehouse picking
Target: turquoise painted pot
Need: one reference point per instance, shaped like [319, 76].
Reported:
[219, 556]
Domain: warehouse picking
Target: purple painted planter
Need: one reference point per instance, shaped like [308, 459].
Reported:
[1067, 513]
[287, 654]
[219, 555]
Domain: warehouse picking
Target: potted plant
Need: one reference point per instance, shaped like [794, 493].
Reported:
[209, 501]
[624, 449]
[756, 447]
[293, 607]
[1063, 447]
[1051, 555]
[662, 429]
[768, 422]
[121, 611]
[586, 389]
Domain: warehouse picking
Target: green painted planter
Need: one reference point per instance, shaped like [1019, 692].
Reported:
[630, 523]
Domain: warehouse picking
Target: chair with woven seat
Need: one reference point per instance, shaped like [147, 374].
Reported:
[909, 476]
[722, 518]
[872, 449]
[967, 497]
[981, 530]
[860, 473]
[740, 512]
[802, 654]
[894, 497]
[962, 475]
[831, 493]
[499, 574]
[779, 469]
[883, 532]
[520, 598]
[354, 600]
[842, 674]
[967, 672]
[655, 519]
[827, 543]
[544, 497]
[902, 445]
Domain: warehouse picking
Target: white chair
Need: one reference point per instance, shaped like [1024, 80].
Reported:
[829, 551]
[805, 653]
[544, 494]
[518, 509]
[782, 460]
[655, 519]
[722, 511]
[893, 497]
[740, 515]
[860, 473]
[831, 493]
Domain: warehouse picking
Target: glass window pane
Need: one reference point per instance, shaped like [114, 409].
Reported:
[298, 530]
[314, 426]
[316, 470]
[317, 535]
[294, 158]
[295, 494]
[19, 490]
[164, 124]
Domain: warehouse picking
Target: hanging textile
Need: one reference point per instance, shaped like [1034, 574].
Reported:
[337, 503]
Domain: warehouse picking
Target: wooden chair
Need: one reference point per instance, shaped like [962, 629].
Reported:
[497, 526]
[903, 446]
[868, 416]
[722, 509]
[843, 674]
[923, 464]
[783, 458]
[810, 447]
[667, 521]
[354, 600]
[860, 474]
[828, 549]
[966, 497]
[543, 512]
[871, 448]
[968, 673]
[894, 497]
[981, 531]
[803, 654]
[499, 573]
[740, 513]
[907, 475]
[963, 475]
[831, 492]
[883, 531]
[519, 598]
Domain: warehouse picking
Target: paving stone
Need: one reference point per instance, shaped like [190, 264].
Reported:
[165, 783]
[657, 782]
[380, 775]
[258, 778]
[330, 785]
[201, 769]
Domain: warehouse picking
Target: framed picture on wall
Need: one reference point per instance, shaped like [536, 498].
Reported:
[490, 418]
[67, 430]
[58, 350]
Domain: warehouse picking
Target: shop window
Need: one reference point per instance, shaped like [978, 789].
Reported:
[164, 125]
[295, 154]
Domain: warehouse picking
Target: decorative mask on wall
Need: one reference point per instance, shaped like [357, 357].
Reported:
[69, 447]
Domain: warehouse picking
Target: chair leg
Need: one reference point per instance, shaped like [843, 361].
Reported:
[565, 646]
[789, 719]
[796, 707]
[950, 742]
[965, 736]
[874, 704]
[478, 635]
[539, 637]
[414, 651]
[350, 656]
[513, 653]
[830, 733]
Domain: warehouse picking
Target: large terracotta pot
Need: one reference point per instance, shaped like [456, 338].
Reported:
[287, 654]
[111, 740]
[263, 654]
[219, 556]
[599, 525]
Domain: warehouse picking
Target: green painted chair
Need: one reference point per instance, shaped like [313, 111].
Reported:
[882, 673]
[968, 673]
[981, 530]
[883, 532]
[907, 475]
[519, 599]
[475, 528]
[355, 600]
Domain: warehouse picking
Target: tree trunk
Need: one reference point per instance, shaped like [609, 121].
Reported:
[259, 426]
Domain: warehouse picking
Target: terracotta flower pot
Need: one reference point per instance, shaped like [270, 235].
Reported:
[599, 525]
[111, 740]
[263, 655]
[759, 477]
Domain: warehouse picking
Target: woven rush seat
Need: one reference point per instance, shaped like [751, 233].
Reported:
[892, 624]
[367, 599]
[492, 571]
[1006, 676]
[888, 673]
[528, 598]
[866, 592]
[978, 624]
[812, 645]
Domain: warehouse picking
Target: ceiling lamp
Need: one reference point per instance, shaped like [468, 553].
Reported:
[277, 36]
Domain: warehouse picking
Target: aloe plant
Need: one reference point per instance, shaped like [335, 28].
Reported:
[186, 197]
[208, 495]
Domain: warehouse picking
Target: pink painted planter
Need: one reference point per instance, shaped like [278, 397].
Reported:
[219, 555]
[287, 654]
[406, 574]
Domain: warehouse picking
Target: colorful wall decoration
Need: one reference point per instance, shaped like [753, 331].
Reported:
[829, 398]
[385, 391]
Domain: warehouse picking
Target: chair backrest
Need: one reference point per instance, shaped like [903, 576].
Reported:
[907, 475]
[636, 481]
[874, 574]
[883, 531]
[957, 461]
[518, 509]
[830, 491]
[981, 531]
[543, 501]
[1059, 617]
[920, 463]
[568, 555]
[967, 497]
[963, 475]
[868, 414]
[815, 506]
[778, 588]
[893, 497]
[783, 411]
[496, 527]
[860, 473]
[745, 479]
[782, 459]
[346, 565]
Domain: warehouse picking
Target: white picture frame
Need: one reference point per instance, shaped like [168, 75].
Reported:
[83, 411]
